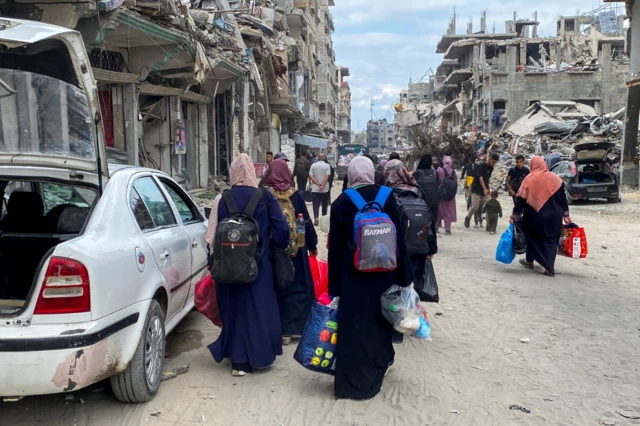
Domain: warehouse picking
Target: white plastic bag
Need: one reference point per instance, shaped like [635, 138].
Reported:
[401, 307]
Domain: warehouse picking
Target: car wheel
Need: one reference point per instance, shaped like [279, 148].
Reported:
[569, 199]
[141, 380]
[613, 200]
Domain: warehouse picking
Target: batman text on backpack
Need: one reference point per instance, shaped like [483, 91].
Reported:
[374, 233]
[416, 220]
[428, 182]
[235, 258]
[449, 187]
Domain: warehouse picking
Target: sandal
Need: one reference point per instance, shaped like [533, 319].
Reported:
[526, 264]
[238, 373]
[548, 274]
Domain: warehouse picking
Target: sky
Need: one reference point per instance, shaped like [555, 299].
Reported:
[386, 42]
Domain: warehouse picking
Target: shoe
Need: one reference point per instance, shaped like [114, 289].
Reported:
[526, 264]
[286, 340]
[476, 226]
[316, 222]
[492, 233]
[467, 222]
[238, 373]
[447, 233]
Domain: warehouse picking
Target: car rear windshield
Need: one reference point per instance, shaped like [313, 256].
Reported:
[595, 172]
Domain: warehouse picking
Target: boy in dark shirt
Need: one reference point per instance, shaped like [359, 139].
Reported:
[516, 176]
[493, 209]
[480, 187]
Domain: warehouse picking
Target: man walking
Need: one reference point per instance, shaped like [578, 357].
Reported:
[319, 176]
[516, 176]
[301, 172]
[480, 187]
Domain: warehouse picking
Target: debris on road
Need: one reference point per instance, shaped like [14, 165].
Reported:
[181, 369]
[519, 408]
[454, 411]
[155, 414]
[525, 340]
[629, 414]
[607, 422]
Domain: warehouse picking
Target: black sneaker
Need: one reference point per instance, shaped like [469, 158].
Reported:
[467, 222]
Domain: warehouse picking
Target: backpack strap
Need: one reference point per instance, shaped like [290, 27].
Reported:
[356, 198]
[382, 196]
[227, 196]
[253, 202]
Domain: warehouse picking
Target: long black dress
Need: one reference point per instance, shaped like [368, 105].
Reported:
[295, 302]
[364, 348]
[543, 228]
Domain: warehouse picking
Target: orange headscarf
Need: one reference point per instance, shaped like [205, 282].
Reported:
[539, 185]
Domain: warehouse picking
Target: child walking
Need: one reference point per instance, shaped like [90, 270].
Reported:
[493, 209]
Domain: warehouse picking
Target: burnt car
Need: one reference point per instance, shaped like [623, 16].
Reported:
[589, 176]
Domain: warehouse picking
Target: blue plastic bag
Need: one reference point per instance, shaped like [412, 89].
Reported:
[505, 252]
[317, 348]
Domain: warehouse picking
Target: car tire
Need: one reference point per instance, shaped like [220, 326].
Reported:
[141, 380]
[613, 200]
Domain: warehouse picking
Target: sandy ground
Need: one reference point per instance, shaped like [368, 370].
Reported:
[580, 366]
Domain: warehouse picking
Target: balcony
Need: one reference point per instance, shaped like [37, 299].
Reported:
[458, 76]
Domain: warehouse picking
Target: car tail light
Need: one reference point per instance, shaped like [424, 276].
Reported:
[574, 169]
[65, 289]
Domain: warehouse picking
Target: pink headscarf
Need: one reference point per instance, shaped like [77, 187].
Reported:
[447, 162]
[278, 176]
[241, 173]
[360, 172]
[539, 185]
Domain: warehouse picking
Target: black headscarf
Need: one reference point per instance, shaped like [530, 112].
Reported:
[394, 156]
[425, 162]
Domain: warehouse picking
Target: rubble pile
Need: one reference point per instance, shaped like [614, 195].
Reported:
[546, 128]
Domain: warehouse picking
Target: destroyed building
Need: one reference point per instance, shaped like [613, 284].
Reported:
[232, 76]
[487, 79]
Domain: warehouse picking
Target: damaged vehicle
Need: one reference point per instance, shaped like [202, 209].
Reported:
[96, 265]
[589, 176]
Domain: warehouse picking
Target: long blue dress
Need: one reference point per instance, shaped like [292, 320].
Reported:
[251, 332]
[296, 301]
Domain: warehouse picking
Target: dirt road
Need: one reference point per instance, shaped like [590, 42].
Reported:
[580, 365]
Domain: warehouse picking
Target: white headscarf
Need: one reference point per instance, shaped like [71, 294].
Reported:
[360, 172]
[241, 173]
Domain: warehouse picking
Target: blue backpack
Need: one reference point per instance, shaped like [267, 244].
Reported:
[374, 233]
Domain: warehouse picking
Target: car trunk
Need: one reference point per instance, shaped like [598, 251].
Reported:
[594, 172]
[37, 215]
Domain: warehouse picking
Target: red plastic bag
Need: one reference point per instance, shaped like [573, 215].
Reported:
[206, 300]
[573, 243]
[320, 274]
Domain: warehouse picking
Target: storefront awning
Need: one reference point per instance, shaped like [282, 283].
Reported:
[312, 141]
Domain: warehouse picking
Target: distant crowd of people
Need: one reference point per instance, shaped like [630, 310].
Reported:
[258, 318]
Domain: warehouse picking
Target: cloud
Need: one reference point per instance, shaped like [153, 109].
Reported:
[384, 43]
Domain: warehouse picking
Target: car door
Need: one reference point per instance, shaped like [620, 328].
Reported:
[168, 240]
[194, 225]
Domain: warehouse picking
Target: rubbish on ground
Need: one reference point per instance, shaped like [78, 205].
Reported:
[507, 351]
[519, 408]
[629, 414]
[448, 309]
[454, 411]
[181, 369]
[439, 314]
[156, 414]
[607, 422]
[525, 340]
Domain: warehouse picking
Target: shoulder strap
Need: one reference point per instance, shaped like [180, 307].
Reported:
[267, 203]
[356, 198]
[253, 202]
[227, 196]
[382, 196]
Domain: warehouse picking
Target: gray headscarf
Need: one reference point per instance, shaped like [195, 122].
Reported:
[360, 172]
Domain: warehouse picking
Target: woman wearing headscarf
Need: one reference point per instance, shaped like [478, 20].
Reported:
[365, 347]
[296, 301]
[399, 179]
[252, 335]
[542, 203]
[428, 181]
[447, 209]
[378, 177]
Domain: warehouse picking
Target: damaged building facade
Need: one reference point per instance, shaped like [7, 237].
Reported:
[186, 86]
[487, 79]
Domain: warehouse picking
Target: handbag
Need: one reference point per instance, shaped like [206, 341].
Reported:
[573, 242]
[308, 195]
[317, 348]
[519, 239]
[283, 269]
[206, 300]
[429, 291]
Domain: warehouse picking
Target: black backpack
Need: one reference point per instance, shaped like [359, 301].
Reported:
[428, 182]
[416, 221]
[235, 258]
[449, 187]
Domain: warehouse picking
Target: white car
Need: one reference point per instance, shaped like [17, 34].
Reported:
[96, 267]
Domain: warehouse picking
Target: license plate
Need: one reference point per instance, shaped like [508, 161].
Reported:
[596, 189]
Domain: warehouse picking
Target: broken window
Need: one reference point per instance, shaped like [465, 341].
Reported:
[499, 105]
